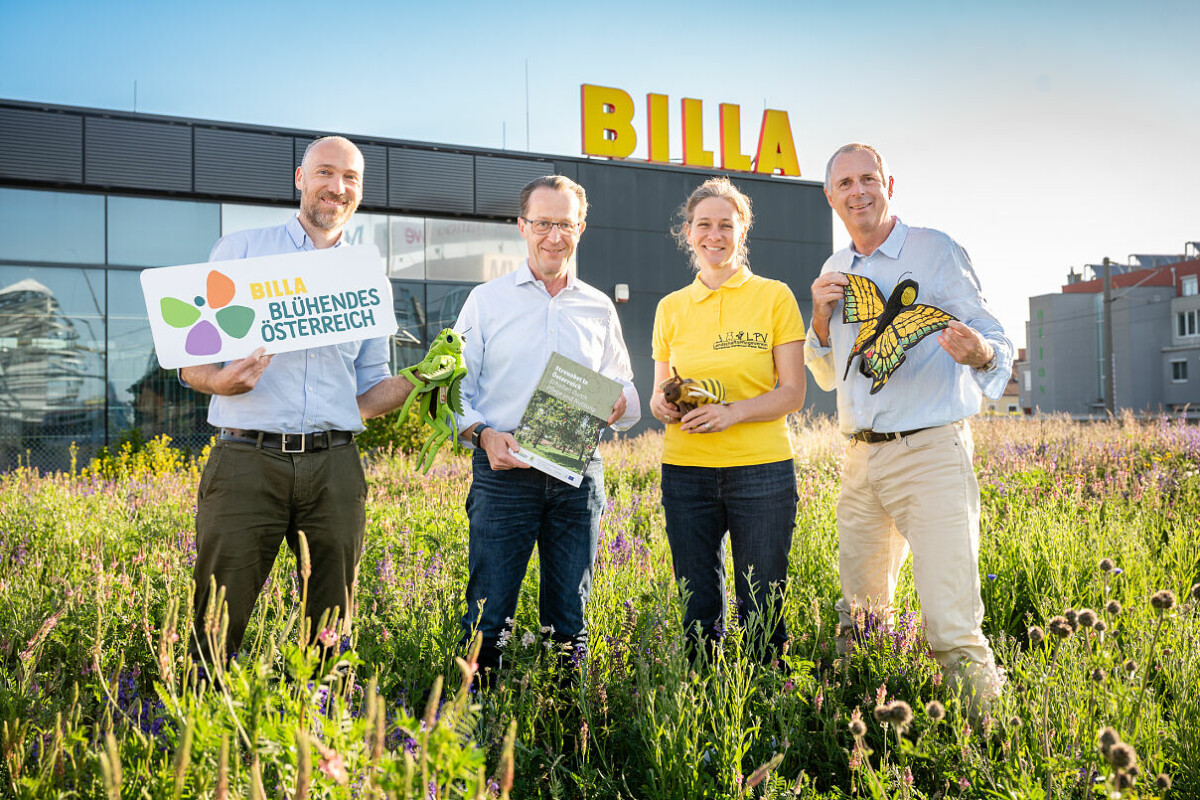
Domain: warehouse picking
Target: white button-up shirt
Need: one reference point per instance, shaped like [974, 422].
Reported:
[511, 326]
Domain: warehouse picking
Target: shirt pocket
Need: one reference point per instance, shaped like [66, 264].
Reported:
[588, 334]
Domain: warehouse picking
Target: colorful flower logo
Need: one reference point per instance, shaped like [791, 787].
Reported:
[204, 339]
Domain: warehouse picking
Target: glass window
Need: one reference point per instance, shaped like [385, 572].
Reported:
[52, 226]
[368, 229]
[53, 385]
[462, 250]
[236, 217]
[1189, 287]
[409, 343]
[160, 233]
[1185, 323]
[407, 256]
[142, 394]
[443, 302]
[1179, 371]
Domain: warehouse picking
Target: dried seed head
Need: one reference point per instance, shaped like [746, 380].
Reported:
[882, 713]
[1123, 781]
[1061, 628]
[1108, 737]
[1121, 756]
[1163, 781]
[935, 710]
[1163, 600]
[901, 713]
[1015, 722]
[1101, 626]
[858, 728]
[1167, 652]
[1036, 635]
[1113, 607]
[1072, 617]
[1130, 665]
[1195, 595]
[1098, 675]
[1106, 565]
[1086, 618]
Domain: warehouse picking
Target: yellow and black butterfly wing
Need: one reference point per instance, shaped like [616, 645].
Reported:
[861, 300]
[909, 327]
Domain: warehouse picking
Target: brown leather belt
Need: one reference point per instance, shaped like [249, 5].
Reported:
[875, 437]
[288, 442]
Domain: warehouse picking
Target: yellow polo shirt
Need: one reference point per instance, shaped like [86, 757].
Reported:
[728, 334]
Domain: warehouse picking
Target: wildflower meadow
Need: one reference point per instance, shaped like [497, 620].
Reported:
[1090, 563]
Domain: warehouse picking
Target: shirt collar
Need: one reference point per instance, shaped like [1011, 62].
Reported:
[300, 238]
[525, 275]
[891, 246]
[699, 292]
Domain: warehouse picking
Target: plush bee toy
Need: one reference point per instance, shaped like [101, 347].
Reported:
[686, 393]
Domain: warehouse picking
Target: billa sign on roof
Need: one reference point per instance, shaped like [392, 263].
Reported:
[607, 117]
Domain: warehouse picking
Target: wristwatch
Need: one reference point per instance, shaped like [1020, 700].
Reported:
[477, 435]
[990, 365]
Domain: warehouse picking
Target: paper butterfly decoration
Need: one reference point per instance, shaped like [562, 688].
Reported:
[887, 329]
[204, 339]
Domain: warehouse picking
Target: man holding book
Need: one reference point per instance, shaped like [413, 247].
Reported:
[512, 325]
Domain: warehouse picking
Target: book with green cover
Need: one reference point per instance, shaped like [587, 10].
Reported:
[561, 425]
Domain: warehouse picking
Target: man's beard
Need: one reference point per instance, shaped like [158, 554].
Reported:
[328, 218]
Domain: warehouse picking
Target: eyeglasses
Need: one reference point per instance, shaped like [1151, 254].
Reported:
[543, 226]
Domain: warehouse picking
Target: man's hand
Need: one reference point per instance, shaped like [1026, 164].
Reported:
[965, 345]
[827, 292]
[618, 409]
[236, 377]
[497, 445]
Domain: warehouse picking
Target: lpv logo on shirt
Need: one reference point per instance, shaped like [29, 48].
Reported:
[203, 338]
[753, 340]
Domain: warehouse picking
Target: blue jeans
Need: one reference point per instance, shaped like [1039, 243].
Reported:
[510, 511]
[755, 507]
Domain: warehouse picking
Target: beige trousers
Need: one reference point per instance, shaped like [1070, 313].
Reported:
[918, 492]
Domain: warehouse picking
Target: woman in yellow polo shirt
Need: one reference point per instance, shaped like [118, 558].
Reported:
[727, 467]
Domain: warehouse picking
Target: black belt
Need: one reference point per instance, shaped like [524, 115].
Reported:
[288, 442]
[875, 437]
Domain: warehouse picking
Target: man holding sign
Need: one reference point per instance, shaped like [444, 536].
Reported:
[285, 461]
[512, 325]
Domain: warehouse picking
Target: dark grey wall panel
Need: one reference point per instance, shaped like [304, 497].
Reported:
[632, 198]
[244, 164]
[498, 183]
[789, 211]
[428, 180]
[137, 155]
[569, 169]
[374, 180]
[41, 145]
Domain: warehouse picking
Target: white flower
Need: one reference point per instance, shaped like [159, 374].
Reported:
[528, 639]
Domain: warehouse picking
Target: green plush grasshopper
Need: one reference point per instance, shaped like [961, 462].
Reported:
[437, 380]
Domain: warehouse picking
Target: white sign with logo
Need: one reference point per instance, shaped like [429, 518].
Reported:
[223, 310]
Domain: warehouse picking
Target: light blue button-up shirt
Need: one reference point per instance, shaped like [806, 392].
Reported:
[929, 388]
[512, 325]
[304, 390]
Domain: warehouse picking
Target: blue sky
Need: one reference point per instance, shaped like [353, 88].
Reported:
[1041, 136]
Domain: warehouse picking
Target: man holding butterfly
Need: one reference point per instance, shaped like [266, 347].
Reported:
[907, 480]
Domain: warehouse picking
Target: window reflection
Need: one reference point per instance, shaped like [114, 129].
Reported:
[145, 396]
[444, 300]
[409, 342]
[368, 229]
[463, 250]
[52, 226]
[237, 217]
[407, 257]
[52, 373]
[160, 233]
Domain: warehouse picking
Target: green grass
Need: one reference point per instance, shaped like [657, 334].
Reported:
[97, 698]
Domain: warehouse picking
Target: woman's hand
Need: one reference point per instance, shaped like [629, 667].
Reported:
[663, 411]
[711, 418]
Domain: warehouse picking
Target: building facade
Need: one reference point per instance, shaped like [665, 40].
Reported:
[91, 197]
[1156, 343]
